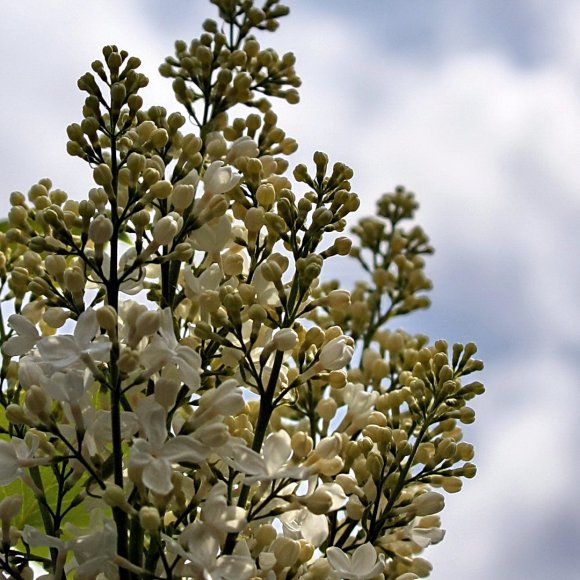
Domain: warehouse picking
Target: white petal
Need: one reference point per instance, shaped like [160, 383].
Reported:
[183, 448]
[157, 476]
[364, 559]
[18, 345]
[22, 326]
[338, 560]
[277, 451]
[86, 328]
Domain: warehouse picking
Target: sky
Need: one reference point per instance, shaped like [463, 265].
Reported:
[475, 106]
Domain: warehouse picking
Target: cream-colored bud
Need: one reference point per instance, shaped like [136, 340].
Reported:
[319, 502]
[265, 535]
[330, 467]
[149, 518]
[302, 444]
[452, 484]
[428, 503]
[161, 189]
[285, 339]
[326, 409]
[74, 280]
[159, 138]
[337, 379]
[15, 414]
[101, 230]
[151, 176]
[165, 230]
[148, 323]
[233, 264]
[102, 175]
[339, 299]
[107, 317]
[286, 551]
[354, 508]
[114, 496]
[254, 219]
[38, 402]
[266, 195]
[128, 360]
[10, 507]
[182, 196]
[55, 317]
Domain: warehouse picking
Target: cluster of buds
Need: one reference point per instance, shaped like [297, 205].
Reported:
[185, 393]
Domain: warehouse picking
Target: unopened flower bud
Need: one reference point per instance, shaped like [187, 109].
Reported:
[339, 299]
[165, 230]
[428, 503]
[101, 230]
[182, 196]
[102, 175]
[301, 444]
[161, 189]
[286, 551]
[149, 518]
[285, 339]
[319, 502]
[107, 317]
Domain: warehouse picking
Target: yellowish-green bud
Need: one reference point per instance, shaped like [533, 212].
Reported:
[107, 318]
[102, 175]
[149, 519]
[286, 551]
[161, 189]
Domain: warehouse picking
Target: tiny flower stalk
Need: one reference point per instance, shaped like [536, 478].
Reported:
[186, 392]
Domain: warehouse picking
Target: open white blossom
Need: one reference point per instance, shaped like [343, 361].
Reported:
[164, 349]
[271, 464]
[199, 548]
[26, 337]
[219, 178]
[16, 456]
[64, 351]
[156, 454]
[362, 565]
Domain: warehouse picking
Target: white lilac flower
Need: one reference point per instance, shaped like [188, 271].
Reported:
[218, 515]
[156, 454]
[64, 351]
[213, 236]
[359, 404]
[164, 349]
[26, 336]
[243, 146]
[362, 565]
[199, 547]
[337, 353]
[209, 279]
[16, 456]
[271, 463]
[94, 549]
[302, 524]
[219, 178]
[68, 386]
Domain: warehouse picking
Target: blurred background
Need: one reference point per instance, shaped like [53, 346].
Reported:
[475, 106]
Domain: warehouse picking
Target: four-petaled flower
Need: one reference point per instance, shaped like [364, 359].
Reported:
[65, 351]
[271, 463]
[156, 454]
[26, 336]
[362, 565]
